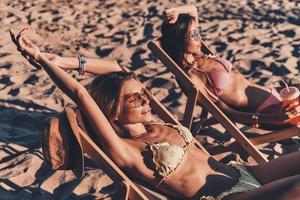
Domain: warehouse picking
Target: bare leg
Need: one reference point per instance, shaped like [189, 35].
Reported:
[291, 194]
[283, 189]
[284, 166]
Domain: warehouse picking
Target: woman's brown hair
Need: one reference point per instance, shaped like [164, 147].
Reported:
[105, 90]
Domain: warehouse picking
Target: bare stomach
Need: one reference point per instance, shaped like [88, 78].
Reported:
[199, 175]
[242, 94]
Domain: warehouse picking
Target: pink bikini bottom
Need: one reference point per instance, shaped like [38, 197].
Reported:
[273, 99]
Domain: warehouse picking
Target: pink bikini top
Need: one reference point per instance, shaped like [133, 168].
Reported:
[218, 79]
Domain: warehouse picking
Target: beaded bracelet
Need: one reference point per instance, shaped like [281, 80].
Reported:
[82, 61]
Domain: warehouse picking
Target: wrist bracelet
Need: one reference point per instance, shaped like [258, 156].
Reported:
[82, 62]
[255, 117]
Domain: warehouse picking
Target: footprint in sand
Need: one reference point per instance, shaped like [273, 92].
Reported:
[14, 92]
[220, 46]
[32, 80]
[102, 52]
[136, 59]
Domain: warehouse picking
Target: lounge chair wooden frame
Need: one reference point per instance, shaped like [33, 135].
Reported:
[195, 95]
[134, 190]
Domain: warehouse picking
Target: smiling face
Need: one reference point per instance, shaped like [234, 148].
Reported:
[193, 39]
[134, 104]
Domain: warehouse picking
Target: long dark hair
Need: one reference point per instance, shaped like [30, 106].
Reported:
[173, 39]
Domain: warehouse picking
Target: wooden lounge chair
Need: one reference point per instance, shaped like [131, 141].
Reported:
[132, 190]
[195, 95]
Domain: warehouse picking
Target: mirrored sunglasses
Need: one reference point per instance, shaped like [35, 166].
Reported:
[196, 34]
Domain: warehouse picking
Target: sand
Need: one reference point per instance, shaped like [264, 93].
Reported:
[261, 38]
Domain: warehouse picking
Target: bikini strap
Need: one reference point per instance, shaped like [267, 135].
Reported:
[160, 182]
[181, 129]
[220, 60]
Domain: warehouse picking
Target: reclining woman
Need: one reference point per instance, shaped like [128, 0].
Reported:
[162, 155]
[242, 100]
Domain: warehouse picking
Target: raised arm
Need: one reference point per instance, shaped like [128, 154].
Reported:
[92, 65]
[173, 13]
[113, 145]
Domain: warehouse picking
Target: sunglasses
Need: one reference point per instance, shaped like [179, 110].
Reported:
[196, 34]
[137, 99]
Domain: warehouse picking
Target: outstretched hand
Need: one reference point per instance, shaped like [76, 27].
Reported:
[27, 49]
[15, 39]
[172, 15]
[31, 49]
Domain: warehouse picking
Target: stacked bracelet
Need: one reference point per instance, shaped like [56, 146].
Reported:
[82, 61]
[255, 118]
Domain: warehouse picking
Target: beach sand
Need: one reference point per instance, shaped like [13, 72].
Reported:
[261, 38]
